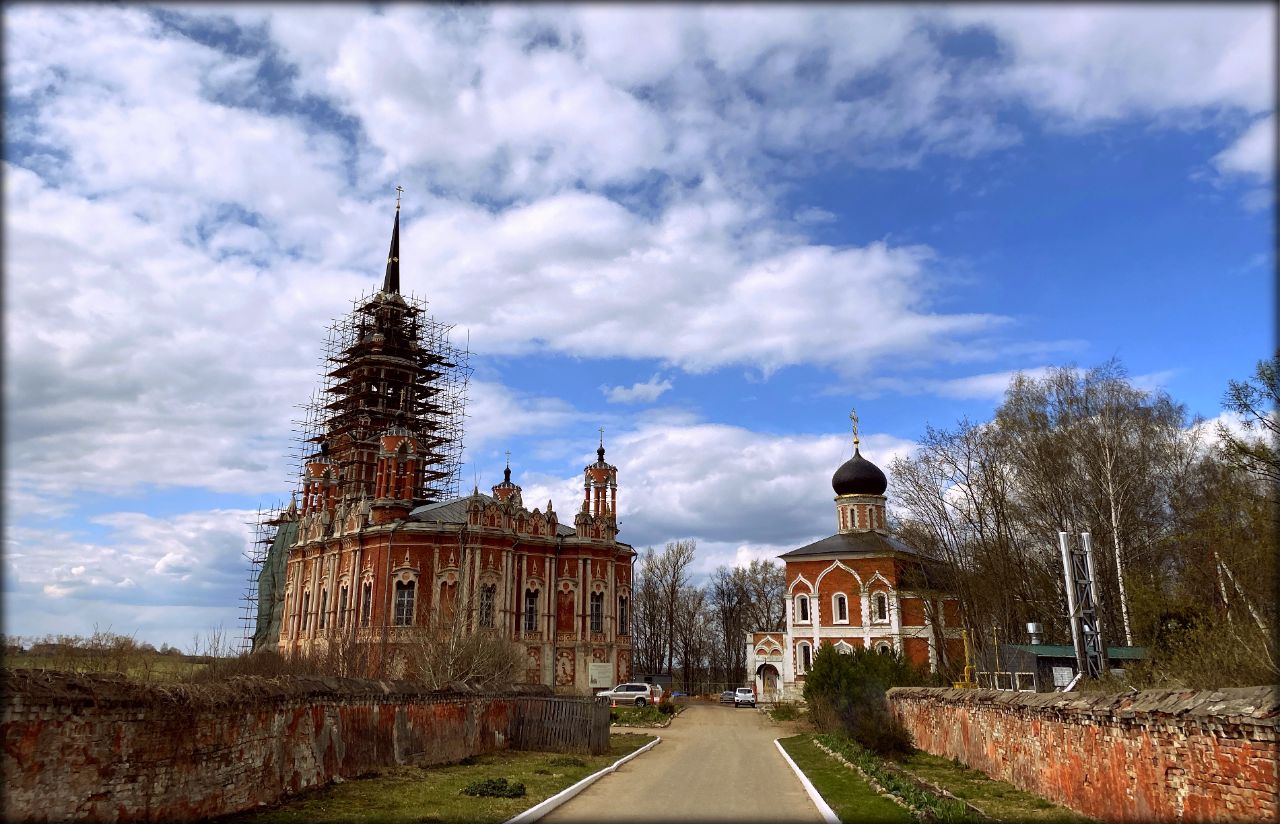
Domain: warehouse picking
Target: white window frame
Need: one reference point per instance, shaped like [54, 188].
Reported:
[804, 610]
[596, 608]
[875, 602]
[803, 666]
[835, 608]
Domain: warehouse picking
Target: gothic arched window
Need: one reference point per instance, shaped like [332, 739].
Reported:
[597, 612]
[488, 594]
[802, 608]
[530, 610]
[881, 602]
[624, 624]
[841, 608]
[405, 592]
[366, 603]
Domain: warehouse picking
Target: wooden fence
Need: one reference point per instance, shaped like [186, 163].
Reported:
[560, 724]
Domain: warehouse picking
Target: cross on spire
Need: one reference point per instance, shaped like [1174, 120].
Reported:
[853, 418]
[602, 436]
[399, 191]
[508, 458]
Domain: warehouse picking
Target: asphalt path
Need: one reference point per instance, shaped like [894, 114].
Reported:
[715, 763]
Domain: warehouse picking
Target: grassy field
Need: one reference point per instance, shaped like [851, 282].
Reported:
[843, 789]
[146, 667]
[999, 799]
[434, 794]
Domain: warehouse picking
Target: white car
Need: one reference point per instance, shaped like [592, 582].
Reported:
[634, 693]
[744, 695]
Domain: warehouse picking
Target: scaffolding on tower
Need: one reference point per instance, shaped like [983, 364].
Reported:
[263, 529]
[386, 364]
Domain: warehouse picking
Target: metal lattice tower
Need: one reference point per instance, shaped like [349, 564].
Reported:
[1080, 577]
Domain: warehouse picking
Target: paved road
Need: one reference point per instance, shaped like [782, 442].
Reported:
[715, 763]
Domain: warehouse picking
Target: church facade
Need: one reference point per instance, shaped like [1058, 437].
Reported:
[376, 556]
[857, 588]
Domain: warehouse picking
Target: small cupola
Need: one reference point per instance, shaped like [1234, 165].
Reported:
[860, 486]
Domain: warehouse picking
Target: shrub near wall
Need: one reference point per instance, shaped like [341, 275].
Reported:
[106, 749]
[1157, 755]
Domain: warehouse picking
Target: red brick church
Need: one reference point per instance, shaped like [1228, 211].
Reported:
[858, 588]
[375, 552]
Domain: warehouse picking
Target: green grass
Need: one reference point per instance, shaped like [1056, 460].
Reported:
[842, 788]
[1001, 800]
[431, 794]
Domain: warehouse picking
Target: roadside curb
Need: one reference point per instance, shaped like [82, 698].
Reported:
[543, 807]
[824, 809]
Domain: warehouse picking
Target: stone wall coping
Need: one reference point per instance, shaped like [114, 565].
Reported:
[1254, 705]
[56, 687]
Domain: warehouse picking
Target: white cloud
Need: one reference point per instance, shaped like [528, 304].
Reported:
[814, 215]
[1090, 63]
[721, 484]
[1253, 153]
[646, 392]
[130, 579]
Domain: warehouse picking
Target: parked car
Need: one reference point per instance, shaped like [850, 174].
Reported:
[744, 695]
[635, 693]
[726, 697]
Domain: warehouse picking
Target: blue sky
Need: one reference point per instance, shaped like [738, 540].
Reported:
[711, 230]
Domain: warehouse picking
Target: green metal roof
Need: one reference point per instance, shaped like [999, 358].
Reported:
[1067, 651]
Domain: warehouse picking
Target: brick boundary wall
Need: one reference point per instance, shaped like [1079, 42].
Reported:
[102, 748]
[1157, 755]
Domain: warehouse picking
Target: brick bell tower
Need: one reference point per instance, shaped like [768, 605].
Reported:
[599, 515]
[378, 446]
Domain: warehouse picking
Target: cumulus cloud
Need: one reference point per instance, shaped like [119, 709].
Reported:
[1253, 153]
[131, 577]
[721, 484]
[639, 392]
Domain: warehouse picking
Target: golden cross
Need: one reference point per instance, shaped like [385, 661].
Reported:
[602, 436]
[399, 190]
[853, 418]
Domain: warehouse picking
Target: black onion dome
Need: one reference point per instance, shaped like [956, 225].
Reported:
[858, 476]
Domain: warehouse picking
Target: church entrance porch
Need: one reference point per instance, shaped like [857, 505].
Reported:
[767, 680]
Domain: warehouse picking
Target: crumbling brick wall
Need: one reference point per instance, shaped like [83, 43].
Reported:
[1157, 755]
[103, 748]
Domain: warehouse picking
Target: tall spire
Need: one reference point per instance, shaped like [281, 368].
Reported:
[391, 283]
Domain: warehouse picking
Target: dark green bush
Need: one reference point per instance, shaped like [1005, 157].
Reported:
[495, 788]
[846, 695]
[667, 708]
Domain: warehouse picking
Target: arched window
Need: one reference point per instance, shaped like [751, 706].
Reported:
[802, 608]
[324, 608]
[488, 594]
[884, 648]
[597, 612]
[881, 602]
[530, 610]
[366, 603]
[624, 627]
[342, 607]
[806, 658]
[841, 608]
[306, 610]
[843, 648]
[405, 591]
